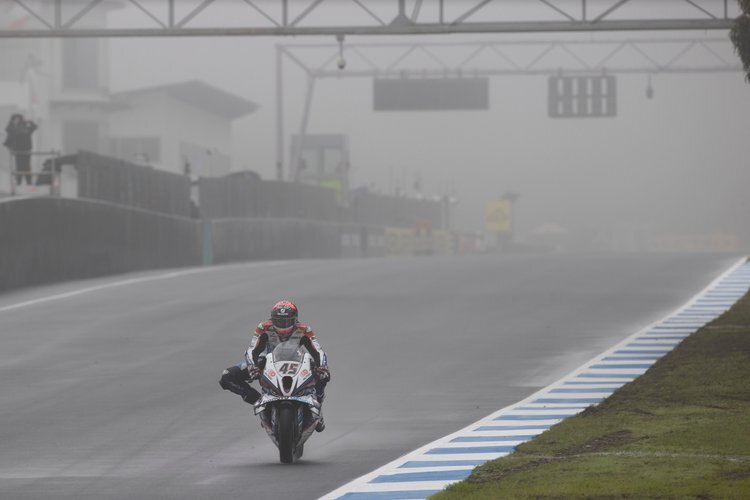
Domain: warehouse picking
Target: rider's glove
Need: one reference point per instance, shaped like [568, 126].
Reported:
[254, 371]
[323, 374]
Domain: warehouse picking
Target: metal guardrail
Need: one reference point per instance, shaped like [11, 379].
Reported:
[53, 174]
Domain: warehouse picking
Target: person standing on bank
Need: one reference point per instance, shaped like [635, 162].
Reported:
[18, 141]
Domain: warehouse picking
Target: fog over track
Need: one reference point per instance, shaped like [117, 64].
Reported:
[114, 393]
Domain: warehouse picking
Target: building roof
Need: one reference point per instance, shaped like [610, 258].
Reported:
[201, 95]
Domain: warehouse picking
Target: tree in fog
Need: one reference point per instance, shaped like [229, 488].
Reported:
[740, 35]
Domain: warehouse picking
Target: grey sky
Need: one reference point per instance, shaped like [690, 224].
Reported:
[667, 164]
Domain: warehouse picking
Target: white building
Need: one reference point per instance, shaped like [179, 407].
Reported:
[177, 126]
[63, 85]
[60, 84]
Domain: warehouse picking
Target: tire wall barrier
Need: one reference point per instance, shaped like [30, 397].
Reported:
[44, 240]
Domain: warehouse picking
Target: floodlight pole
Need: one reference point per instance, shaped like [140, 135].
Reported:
[290, 171]
[279, 114]
[300, 147]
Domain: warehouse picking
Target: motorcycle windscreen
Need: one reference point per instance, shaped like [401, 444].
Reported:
[288, 351]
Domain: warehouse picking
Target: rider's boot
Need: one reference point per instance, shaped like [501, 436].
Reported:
[251, 396]
[321, 426]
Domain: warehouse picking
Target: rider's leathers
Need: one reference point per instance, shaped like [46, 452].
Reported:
[237, 378]
[265, 339]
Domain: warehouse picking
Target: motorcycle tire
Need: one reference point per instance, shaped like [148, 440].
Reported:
[286, 434]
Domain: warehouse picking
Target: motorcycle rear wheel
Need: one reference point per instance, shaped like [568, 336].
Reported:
[286, 434]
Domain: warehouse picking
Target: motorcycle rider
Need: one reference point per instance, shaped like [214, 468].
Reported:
[282, 326]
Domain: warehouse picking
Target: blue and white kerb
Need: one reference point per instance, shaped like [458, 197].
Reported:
[431, 468]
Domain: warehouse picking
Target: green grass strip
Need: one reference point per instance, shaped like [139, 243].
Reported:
[682, 430]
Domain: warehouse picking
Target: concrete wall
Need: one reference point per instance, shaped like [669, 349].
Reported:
[263, 239]
[278, 238]
[44, 240]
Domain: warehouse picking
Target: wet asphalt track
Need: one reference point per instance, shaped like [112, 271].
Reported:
[114, 393]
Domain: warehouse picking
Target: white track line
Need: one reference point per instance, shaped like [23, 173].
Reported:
[127, 282]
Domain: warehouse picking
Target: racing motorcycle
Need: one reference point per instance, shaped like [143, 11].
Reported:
[289, 409]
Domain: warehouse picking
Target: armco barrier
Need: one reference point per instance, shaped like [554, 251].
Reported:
[43, 240]
[124, 183]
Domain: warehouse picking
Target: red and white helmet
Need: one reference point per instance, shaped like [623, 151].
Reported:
[284, 318]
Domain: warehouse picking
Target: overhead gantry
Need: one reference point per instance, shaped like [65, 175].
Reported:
[170, 18]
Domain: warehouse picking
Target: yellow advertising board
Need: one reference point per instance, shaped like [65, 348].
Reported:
[497, 216]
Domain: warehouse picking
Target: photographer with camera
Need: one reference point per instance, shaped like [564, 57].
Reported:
[18, 141]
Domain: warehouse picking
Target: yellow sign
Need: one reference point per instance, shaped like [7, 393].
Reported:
[497, 215]
[334, 184]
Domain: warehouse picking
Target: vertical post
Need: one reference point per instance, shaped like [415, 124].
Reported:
[444, 213]
[442, 11]
[55, 183]
[401, 8]
[171, 13]
[12, 178]
[297, 153]
[285, 13]
[207, 239]
[58, 14]
[279, 114]
[583, 10]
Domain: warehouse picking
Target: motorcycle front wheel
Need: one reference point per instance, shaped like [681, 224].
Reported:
[286, 433]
